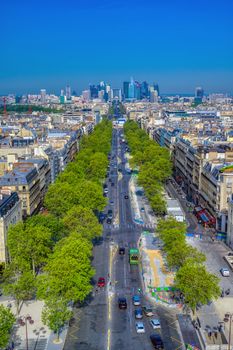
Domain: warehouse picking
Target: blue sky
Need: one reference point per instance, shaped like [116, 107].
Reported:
[180, 44]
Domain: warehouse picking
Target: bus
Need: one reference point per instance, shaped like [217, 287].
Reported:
[133, 256]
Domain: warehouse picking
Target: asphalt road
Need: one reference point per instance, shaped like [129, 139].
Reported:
[99, 324]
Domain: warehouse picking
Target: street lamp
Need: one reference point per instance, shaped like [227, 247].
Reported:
[228, 317]
[23, 320]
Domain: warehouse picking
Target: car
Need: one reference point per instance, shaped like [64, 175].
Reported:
[106, 190]
[140, 327]
[109, 221]
[121, 251]
[112, 184]
[122, 303]
[155, 323]
[105, 194]
[109, 180]
[126, 196]
[142, 210]
[225, 272]
[147, 311]
[156, 341]
[136, 300]
[101, 282]
[138, 314]
[110, 214]
[120, 170]
[102, 216]
[111, 203]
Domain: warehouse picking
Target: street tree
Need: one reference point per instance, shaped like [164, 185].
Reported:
[19, 285]
[82, 221]
[28, 244]
[180, 252]
[69, 271]
[7, 320]
[50, 222]
[197, 285]
[55, 315]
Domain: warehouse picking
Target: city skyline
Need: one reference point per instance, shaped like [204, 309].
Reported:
[53, 44]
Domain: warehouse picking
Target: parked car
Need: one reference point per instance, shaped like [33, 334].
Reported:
[155, 323]
[110, 214]
[225, 272]
[140, 327]
[122, 303]
[126, 196]
[147, 311]
[109, 221]
[138, 314]
[101, 282]
[136, 300]
[156, 341]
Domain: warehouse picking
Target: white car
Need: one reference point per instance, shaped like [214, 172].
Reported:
[225, 272]
[140, 327]
[155, 324]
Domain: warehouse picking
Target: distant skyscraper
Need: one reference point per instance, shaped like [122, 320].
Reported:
[42, 95]
[156, 88]
[68, 92]
[93, 91]
[199, 92]
[117, 94]
[132, 89]
[144, 90]
[126, 89]
[137, 90]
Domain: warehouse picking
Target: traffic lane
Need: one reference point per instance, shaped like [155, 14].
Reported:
[170, 332]
[89, 323]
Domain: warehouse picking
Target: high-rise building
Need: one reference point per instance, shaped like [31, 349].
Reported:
[144, 90]
[117, 94]
[42, 95]
[93, 91]
[156, 88]
[137, 90]
[199, 92]
[68, 92]
[132, 89]
[126, 89]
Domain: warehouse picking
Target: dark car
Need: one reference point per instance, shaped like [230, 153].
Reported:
[112, 184]
[102, 216]
[122, 251]
[126, 196]
[122, 303]
[156, 341]
[109, 221]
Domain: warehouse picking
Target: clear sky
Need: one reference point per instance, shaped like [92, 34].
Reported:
[178, 43]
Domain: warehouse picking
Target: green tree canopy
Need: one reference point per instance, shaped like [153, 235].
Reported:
[29, 245]
[68, 271]
[82, 221]
[7, 320]
[56, 314]
[197, 285]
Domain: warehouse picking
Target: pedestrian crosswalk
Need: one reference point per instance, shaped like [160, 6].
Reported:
[128, 226]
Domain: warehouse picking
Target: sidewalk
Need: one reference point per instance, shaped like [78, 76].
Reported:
[39, 335]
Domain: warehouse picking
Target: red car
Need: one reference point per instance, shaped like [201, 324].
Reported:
[101, 282]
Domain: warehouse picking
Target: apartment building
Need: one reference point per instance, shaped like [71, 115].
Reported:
[10, 214]
[24, 179]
